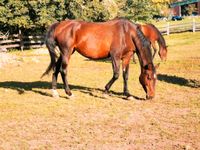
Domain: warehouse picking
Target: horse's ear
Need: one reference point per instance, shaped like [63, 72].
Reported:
[138, 26]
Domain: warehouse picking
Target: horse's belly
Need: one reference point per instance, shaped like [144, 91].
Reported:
[93, 53]
[94, 49]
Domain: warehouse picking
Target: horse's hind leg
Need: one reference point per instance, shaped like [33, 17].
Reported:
[54, 78]
[63, 71]
[125, 69]
[116, 67]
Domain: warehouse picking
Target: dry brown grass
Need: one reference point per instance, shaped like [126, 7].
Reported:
[31, 119]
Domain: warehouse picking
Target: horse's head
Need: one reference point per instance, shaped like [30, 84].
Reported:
[148, 80]
[148, 72]
[163, 53]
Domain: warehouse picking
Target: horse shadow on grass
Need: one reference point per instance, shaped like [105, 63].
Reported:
[106, 60]
[22, 87]
[192, 83]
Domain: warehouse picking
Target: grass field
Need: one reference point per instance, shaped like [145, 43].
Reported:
[31, 119]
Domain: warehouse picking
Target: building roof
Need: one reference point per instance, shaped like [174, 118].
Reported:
[184, 2]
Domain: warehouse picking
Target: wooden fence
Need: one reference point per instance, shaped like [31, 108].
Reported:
[177, 28]
[20, 42]
[25, 42]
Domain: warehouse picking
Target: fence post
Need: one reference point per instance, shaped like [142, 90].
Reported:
[21, 40]
[193, 25]
[167, 28]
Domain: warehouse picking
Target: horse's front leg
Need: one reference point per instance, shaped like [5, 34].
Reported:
[116, 67]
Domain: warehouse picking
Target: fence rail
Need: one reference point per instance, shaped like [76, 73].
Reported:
[182, 27]
[23, 42]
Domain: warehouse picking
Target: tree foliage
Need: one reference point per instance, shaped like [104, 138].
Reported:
[38, 14]
[137, 10]
[25, 14]
[88, 10]
[14, 13]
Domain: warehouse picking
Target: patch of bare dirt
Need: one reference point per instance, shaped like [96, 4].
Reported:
[6, 58]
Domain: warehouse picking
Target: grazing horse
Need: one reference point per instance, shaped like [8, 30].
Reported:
[153, 34]
[117, 39]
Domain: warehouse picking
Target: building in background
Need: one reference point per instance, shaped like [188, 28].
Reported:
[185, 8]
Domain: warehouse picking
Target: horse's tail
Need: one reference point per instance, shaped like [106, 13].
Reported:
[51, 44]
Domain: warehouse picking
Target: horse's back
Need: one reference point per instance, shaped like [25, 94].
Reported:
[149, 31]
[93, 40]
[96, 40]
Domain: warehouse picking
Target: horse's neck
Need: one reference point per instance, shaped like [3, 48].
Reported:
[145, 53]
[142, 45]
[161, 40]
[141, 61]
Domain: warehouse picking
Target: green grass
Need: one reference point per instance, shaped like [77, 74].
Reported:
[31, 119]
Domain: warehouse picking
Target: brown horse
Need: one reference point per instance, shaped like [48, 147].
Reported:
[153, 34]
[117, 39]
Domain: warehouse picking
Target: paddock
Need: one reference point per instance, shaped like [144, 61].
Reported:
[30, 118]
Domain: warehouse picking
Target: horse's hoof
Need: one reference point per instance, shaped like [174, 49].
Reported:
[105, 95]
[72, 96]
[130, 98]
[55, 93]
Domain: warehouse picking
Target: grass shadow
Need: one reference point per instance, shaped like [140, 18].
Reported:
[22, 87]
[192, 83]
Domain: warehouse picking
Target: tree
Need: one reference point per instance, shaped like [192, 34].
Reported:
[137, 10]
[14, 13]
[44, 13]
[37, 14]
[31, 15]
[112, 7]
[89, 10]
